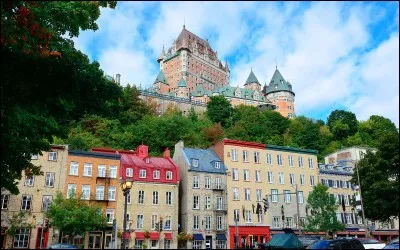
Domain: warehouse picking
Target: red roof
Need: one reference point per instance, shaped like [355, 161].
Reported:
[154, 235]
[244, 144]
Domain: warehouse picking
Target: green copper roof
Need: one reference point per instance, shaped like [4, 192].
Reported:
[182, 83]
[161, 78]
[252, 78]
[229, 91]
[278, 83]
[291, 149]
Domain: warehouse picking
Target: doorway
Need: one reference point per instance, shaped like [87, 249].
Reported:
[108, 242]
[208, 242]
[243, 242]
[41, 238]
[95, 240]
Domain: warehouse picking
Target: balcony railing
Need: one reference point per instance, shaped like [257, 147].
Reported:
[101, 197]
[221, 207]
[221, 227]
[105, 175]
[218, 186]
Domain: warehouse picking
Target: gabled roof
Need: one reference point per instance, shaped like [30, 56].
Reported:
[206, 158]
[252, 78]
[182, 83]
[278, 83]
[161, 78]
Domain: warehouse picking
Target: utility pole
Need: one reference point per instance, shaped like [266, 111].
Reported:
[362, 206]
[298, 211]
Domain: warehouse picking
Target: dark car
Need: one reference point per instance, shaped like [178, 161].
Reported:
[394, 244]
[337, 244]
[62, 246]
[307, 240]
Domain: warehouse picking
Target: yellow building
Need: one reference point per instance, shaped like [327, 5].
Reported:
[256, 170]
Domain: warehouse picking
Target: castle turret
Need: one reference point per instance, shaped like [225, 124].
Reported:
[252, 82]
[182, 90]
[162, 56]
[160, 83]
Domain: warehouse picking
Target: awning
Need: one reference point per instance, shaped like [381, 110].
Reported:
[198, 237]
[139, 235]
[154, 235]
[221, 237]
[168, 236]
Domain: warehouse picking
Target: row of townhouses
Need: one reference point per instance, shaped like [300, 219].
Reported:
[232, 188]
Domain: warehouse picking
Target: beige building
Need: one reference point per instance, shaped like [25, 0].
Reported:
[256, 170]
[203, 197]
[35, 192]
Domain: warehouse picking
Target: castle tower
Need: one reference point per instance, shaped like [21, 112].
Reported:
[280, 93]
[182, 90]
[160, 84]
[252, 82]
[161, 58]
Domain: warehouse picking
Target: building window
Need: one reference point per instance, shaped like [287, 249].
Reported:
[207, 203]
[335, 183]
[300, 160]
[111, 193]
[195, 163]
[279, 158]
[219, 223]
[110, 215]
[155, 198]
[52, 156]
[234, 155]
[87, 169]
[274, 196]
[310, 163]
[196, 182]
[217, 165]
[46, 200]
[196, 222]
[245, 156]
[4, 201]
[248, 216]
[246, 175]
[154, 220]
[139, 221]
[207, 182]
[142, 173]
[258, 176]
[257, 157]
[168, 220]
[276, 222]
[29, 180]
[218, 183]
[259, 194]
[288, 196]
[129, 172]
[302, 179]
[281, 178]
[235, 194]
[168, 198]
[270, 177]
[292, 179]
[100, 193]
[26, 202]
[167, 244]
[196, 202]
[235, 174]
[290, 161]
[154, 244]
[141, 197]
[301, 197]
[260, 218]
[269, 159]
[101, 170]
[247, 194]
[156, 174]
[49, 180]
[208, 222]
[289, 222]
[312, 180]
[302, 221]
[71, 190]
[85, 192]
[236, 216]
[113, 171]
[73, 169]
[34, 157]
[169, 175]
[21, 238]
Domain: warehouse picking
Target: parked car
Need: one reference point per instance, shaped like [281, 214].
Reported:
[307, 240]
[371, 243]
[394, 244]
[337, 244]
[62, 246]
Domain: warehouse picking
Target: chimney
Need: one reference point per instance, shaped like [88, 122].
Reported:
[118, 79]
[167, 153]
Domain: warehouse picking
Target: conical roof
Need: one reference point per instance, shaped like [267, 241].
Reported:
[161, 78]
[182, 83]
[278, 83]
[226, 65]
[162, 56]
[277, 77]
[252, 78]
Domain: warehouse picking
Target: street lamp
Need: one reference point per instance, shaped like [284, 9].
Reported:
[126, 186]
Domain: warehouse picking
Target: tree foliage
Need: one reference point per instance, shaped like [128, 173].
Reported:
[219, 110]
[321, 211]
[74, 216]
[342, 123]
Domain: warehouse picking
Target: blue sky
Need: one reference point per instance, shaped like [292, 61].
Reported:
[337, 55]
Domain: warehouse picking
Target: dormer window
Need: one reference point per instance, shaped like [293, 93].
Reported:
[195, 163]
[147, 160]
[238, 93]
[156, 174]
[129, 172]
[217, 165]
[142, 173]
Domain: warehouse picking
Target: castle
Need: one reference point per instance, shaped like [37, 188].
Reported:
[190, 73]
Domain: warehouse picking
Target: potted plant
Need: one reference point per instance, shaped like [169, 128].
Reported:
[147, 234]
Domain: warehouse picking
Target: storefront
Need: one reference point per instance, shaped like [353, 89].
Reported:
[249, 236]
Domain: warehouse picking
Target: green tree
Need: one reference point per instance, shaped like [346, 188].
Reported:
[219, 110]
[132, 107]
[74, 216]
[342, 123]
[321, 211]
[379, 177]
[35, 56]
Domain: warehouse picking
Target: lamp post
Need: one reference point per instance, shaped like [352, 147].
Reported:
[126, 186]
